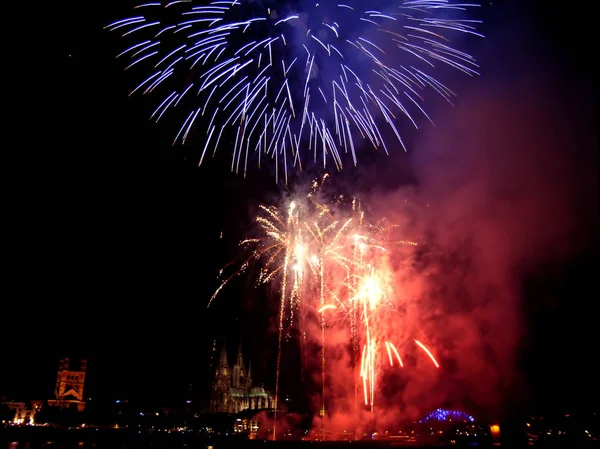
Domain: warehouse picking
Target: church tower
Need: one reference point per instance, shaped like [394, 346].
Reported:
[239, 371]
[70, 382]
[222, 382]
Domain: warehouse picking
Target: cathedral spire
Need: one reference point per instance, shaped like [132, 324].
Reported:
[240, 357]
[223, 360]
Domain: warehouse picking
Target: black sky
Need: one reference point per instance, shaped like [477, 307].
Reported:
[111, 251]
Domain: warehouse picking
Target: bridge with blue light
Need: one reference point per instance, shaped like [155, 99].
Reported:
[447, 415]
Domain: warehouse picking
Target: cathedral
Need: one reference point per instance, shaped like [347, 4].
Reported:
[232, 390]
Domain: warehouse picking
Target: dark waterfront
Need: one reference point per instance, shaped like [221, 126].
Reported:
[53, 438]
[106, 438]
[38, 437]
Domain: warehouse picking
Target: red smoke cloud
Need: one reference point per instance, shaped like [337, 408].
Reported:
[504, 184]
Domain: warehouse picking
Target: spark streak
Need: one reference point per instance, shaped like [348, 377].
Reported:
[364, 68]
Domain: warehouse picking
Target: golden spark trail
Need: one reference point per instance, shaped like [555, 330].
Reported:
[322, 303]
[327, 307]
[428, 352]
[280, 333]
[387, 346]
[391, 345]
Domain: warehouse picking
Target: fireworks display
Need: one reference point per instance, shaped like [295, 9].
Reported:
[332, 267]
[297, 82]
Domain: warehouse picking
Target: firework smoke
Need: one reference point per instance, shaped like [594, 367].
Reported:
[506, 185]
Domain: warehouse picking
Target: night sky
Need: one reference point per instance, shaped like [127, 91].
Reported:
[112, 245]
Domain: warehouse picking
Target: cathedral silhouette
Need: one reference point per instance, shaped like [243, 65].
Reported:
[232, 390]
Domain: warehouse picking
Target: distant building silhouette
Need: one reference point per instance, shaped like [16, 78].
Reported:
[69, 385]
[23, 413]
[232, 389]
